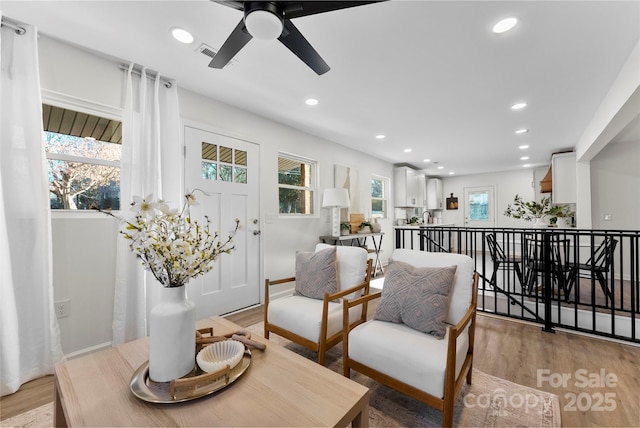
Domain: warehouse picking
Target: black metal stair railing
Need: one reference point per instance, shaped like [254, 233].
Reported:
[573, 279]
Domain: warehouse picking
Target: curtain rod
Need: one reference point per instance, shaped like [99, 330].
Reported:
[18, 29]
[166, 83]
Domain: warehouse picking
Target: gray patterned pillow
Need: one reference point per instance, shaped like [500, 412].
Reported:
[316, 273]
[417, 297]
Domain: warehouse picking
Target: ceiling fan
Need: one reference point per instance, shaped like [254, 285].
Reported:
[269, 20]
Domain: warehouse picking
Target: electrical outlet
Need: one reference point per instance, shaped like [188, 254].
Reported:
[63, 308]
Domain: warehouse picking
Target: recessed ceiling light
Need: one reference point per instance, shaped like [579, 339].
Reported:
[181, 35]
[526, 165]
[523, 147]
[518, 106]
[311, 102]
[440, 167]
[505, 25]
[407, 150]
[381, 137]
[451, 172]
[524, 158]
[522, 131]
[427, 160]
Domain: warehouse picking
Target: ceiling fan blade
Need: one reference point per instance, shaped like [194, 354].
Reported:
[236, 41]
[295, 41]
[293, 9]
[238, 5]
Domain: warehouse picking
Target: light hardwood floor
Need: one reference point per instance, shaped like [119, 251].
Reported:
[521, 353]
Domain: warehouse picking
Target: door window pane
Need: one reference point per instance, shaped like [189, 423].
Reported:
[226, 154]
[209, 171]
[209, 151]
[478, 206]
[225, 173]
[240, 175]
[221, 163]
[240, 157]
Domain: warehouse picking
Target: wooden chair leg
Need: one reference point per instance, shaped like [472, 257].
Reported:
[447, 412]
[321, 354]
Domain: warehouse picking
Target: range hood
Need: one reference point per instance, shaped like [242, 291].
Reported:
[546, 184]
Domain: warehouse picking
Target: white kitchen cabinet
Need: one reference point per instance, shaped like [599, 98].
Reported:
[435, 199]
[422, 190]
[406, 182]
[563, 171]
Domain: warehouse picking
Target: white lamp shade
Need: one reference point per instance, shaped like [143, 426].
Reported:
[335, 198]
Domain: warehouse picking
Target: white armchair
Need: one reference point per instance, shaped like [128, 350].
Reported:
[316, 323]
[418, 364]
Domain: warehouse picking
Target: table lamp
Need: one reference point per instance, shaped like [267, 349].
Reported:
[335, 199]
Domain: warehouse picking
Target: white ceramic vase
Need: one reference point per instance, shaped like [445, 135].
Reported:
[172, 336]
[539, 223]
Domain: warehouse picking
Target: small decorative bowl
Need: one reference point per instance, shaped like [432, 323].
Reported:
[217, 355]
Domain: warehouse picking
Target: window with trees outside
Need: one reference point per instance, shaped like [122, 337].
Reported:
[379, 186]
[296, 185]
[83, 155]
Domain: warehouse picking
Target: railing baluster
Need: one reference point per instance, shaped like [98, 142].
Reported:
[579, 305]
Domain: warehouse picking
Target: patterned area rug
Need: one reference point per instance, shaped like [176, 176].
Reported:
[39, 417]
[488, 402]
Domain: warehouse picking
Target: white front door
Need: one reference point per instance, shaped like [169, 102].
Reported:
[479, 211]
[228, 170]
[479, 207]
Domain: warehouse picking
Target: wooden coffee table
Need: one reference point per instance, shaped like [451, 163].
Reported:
[280, 388]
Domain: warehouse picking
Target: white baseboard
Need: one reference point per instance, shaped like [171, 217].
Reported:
[88, 350]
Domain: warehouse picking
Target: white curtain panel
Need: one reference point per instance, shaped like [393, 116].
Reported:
[30, 336]
[152, 163]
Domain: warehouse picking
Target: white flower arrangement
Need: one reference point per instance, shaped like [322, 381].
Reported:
[169, 244]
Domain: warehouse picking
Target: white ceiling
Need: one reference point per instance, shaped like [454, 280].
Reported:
[430, 75]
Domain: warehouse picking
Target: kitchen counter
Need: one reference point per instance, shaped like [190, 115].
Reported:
[428, 237]
[409, 226]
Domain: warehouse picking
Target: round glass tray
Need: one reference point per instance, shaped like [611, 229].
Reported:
[195, 385]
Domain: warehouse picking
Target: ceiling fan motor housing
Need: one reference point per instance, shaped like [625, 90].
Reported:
[263, 20]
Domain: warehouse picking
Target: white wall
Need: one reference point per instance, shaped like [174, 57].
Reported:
[615, 187]
[507, 184]
[84, 243]
[285, 236]
[83, 272]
